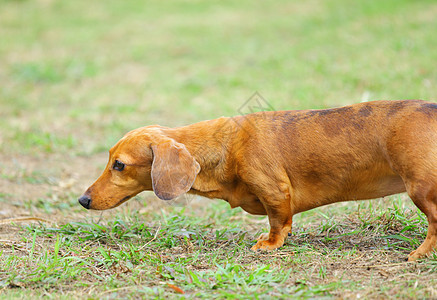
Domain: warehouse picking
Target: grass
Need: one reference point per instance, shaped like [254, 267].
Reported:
[76, 75]
[151, 255]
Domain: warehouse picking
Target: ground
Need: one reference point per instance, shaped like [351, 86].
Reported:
[75, 76]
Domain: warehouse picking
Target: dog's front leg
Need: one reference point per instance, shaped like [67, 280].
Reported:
[280, 219]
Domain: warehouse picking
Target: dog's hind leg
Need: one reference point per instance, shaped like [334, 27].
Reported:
[412, 153]
[425, 198]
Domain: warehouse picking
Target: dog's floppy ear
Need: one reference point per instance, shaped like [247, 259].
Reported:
[173, 170]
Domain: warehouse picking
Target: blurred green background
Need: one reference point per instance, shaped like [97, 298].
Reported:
[76, 75]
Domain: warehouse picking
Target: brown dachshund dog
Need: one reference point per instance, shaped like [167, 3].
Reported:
[280, 163]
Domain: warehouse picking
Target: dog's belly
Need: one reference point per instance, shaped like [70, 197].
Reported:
[379, 187]
[360, 185]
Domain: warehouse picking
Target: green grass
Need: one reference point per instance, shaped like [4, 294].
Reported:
[76, 75]
[147, 255]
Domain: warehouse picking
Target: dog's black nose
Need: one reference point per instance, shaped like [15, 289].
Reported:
[85, 201]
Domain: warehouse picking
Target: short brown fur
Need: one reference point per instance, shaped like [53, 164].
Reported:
[285, 162]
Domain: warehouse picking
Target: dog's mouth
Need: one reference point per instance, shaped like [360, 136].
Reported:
[123, 200]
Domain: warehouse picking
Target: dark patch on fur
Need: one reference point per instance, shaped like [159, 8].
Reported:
[358, 124]
[395, 108]
[365, 111]
[334, 121]
[290, 118]
[430, 105]
[337, 120]
[313, 176]
[428, 109]
[327, 112]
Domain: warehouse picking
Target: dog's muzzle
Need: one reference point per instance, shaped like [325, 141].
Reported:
[85, 201]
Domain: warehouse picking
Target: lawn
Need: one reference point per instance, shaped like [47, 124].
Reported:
[76, 75]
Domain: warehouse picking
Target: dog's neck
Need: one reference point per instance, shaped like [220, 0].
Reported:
[201, 139]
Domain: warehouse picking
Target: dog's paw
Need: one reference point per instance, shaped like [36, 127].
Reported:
[263, 246]
[263, 237]
[415, 255]
[266, 245]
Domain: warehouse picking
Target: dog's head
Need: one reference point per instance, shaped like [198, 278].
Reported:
[144, 159]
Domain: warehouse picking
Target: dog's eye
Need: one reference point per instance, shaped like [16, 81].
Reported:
[118, 165]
